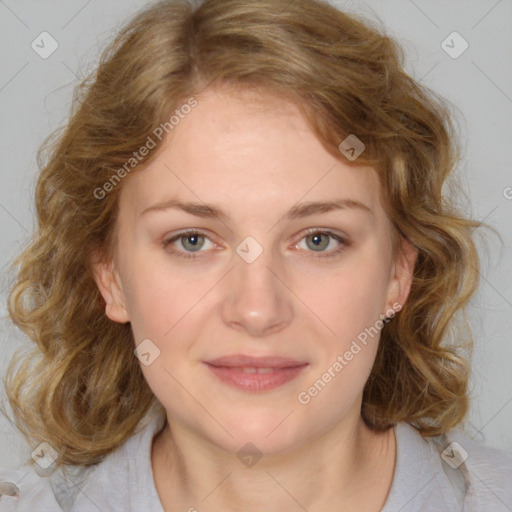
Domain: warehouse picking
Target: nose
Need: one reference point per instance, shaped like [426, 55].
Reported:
[257, 300]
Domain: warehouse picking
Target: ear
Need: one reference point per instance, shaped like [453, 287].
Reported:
[401, 275]
[108, 281]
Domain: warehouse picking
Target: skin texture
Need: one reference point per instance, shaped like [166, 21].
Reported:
[255, 160]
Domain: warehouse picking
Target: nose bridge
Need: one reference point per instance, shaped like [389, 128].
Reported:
[255, 299]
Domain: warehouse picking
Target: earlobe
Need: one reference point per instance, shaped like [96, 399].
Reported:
[108, 282]
[403, 274]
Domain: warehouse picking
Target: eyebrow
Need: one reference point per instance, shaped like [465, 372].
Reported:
[296, 212]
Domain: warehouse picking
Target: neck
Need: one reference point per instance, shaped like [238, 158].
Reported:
[349, 468]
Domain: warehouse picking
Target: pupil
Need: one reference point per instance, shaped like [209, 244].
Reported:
[317, 240]
[192, 241]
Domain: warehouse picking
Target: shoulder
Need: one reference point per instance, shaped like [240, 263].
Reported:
[121, 480]
[25, 482]
[449, 472]
[487, 471]
[30, 488]
[68, 488]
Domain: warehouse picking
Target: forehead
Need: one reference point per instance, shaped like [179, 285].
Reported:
[247, 149]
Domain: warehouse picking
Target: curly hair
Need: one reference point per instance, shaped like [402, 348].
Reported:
[80, 387]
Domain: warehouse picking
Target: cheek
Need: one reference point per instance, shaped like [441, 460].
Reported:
[350, 299]
[159, 297]
[350, 304]
[165, 310]
[149, 304]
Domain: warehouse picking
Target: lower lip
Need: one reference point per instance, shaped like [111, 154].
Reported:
[256, 381]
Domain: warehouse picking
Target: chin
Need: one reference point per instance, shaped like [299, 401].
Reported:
[270, 433]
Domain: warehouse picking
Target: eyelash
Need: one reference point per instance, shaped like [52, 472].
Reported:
[331, 254]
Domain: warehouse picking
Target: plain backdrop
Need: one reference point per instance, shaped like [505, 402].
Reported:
[35, 95]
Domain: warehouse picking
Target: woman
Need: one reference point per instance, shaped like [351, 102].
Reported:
[245, 276]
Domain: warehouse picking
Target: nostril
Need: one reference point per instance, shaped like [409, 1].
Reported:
[9, 489]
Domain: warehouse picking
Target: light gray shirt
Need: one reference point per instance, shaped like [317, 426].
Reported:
[441, 474]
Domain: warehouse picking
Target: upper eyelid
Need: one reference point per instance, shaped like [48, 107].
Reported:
[188, 232]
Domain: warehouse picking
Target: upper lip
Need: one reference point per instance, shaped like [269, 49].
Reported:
[240, 360]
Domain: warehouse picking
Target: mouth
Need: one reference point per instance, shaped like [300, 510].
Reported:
[253, 374]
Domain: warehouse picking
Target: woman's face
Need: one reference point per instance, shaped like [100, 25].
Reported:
[272, 269]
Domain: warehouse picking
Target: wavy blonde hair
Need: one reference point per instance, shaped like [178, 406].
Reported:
[81, 388]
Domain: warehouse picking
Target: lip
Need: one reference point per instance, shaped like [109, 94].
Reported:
[279, 371]
[255, 362]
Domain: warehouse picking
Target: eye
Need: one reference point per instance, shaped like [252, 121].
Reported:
[190, 241]
[186, 244]
[318, 240]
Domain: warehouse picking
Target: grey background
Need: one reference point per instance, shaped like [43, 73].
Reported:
[35, 95]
